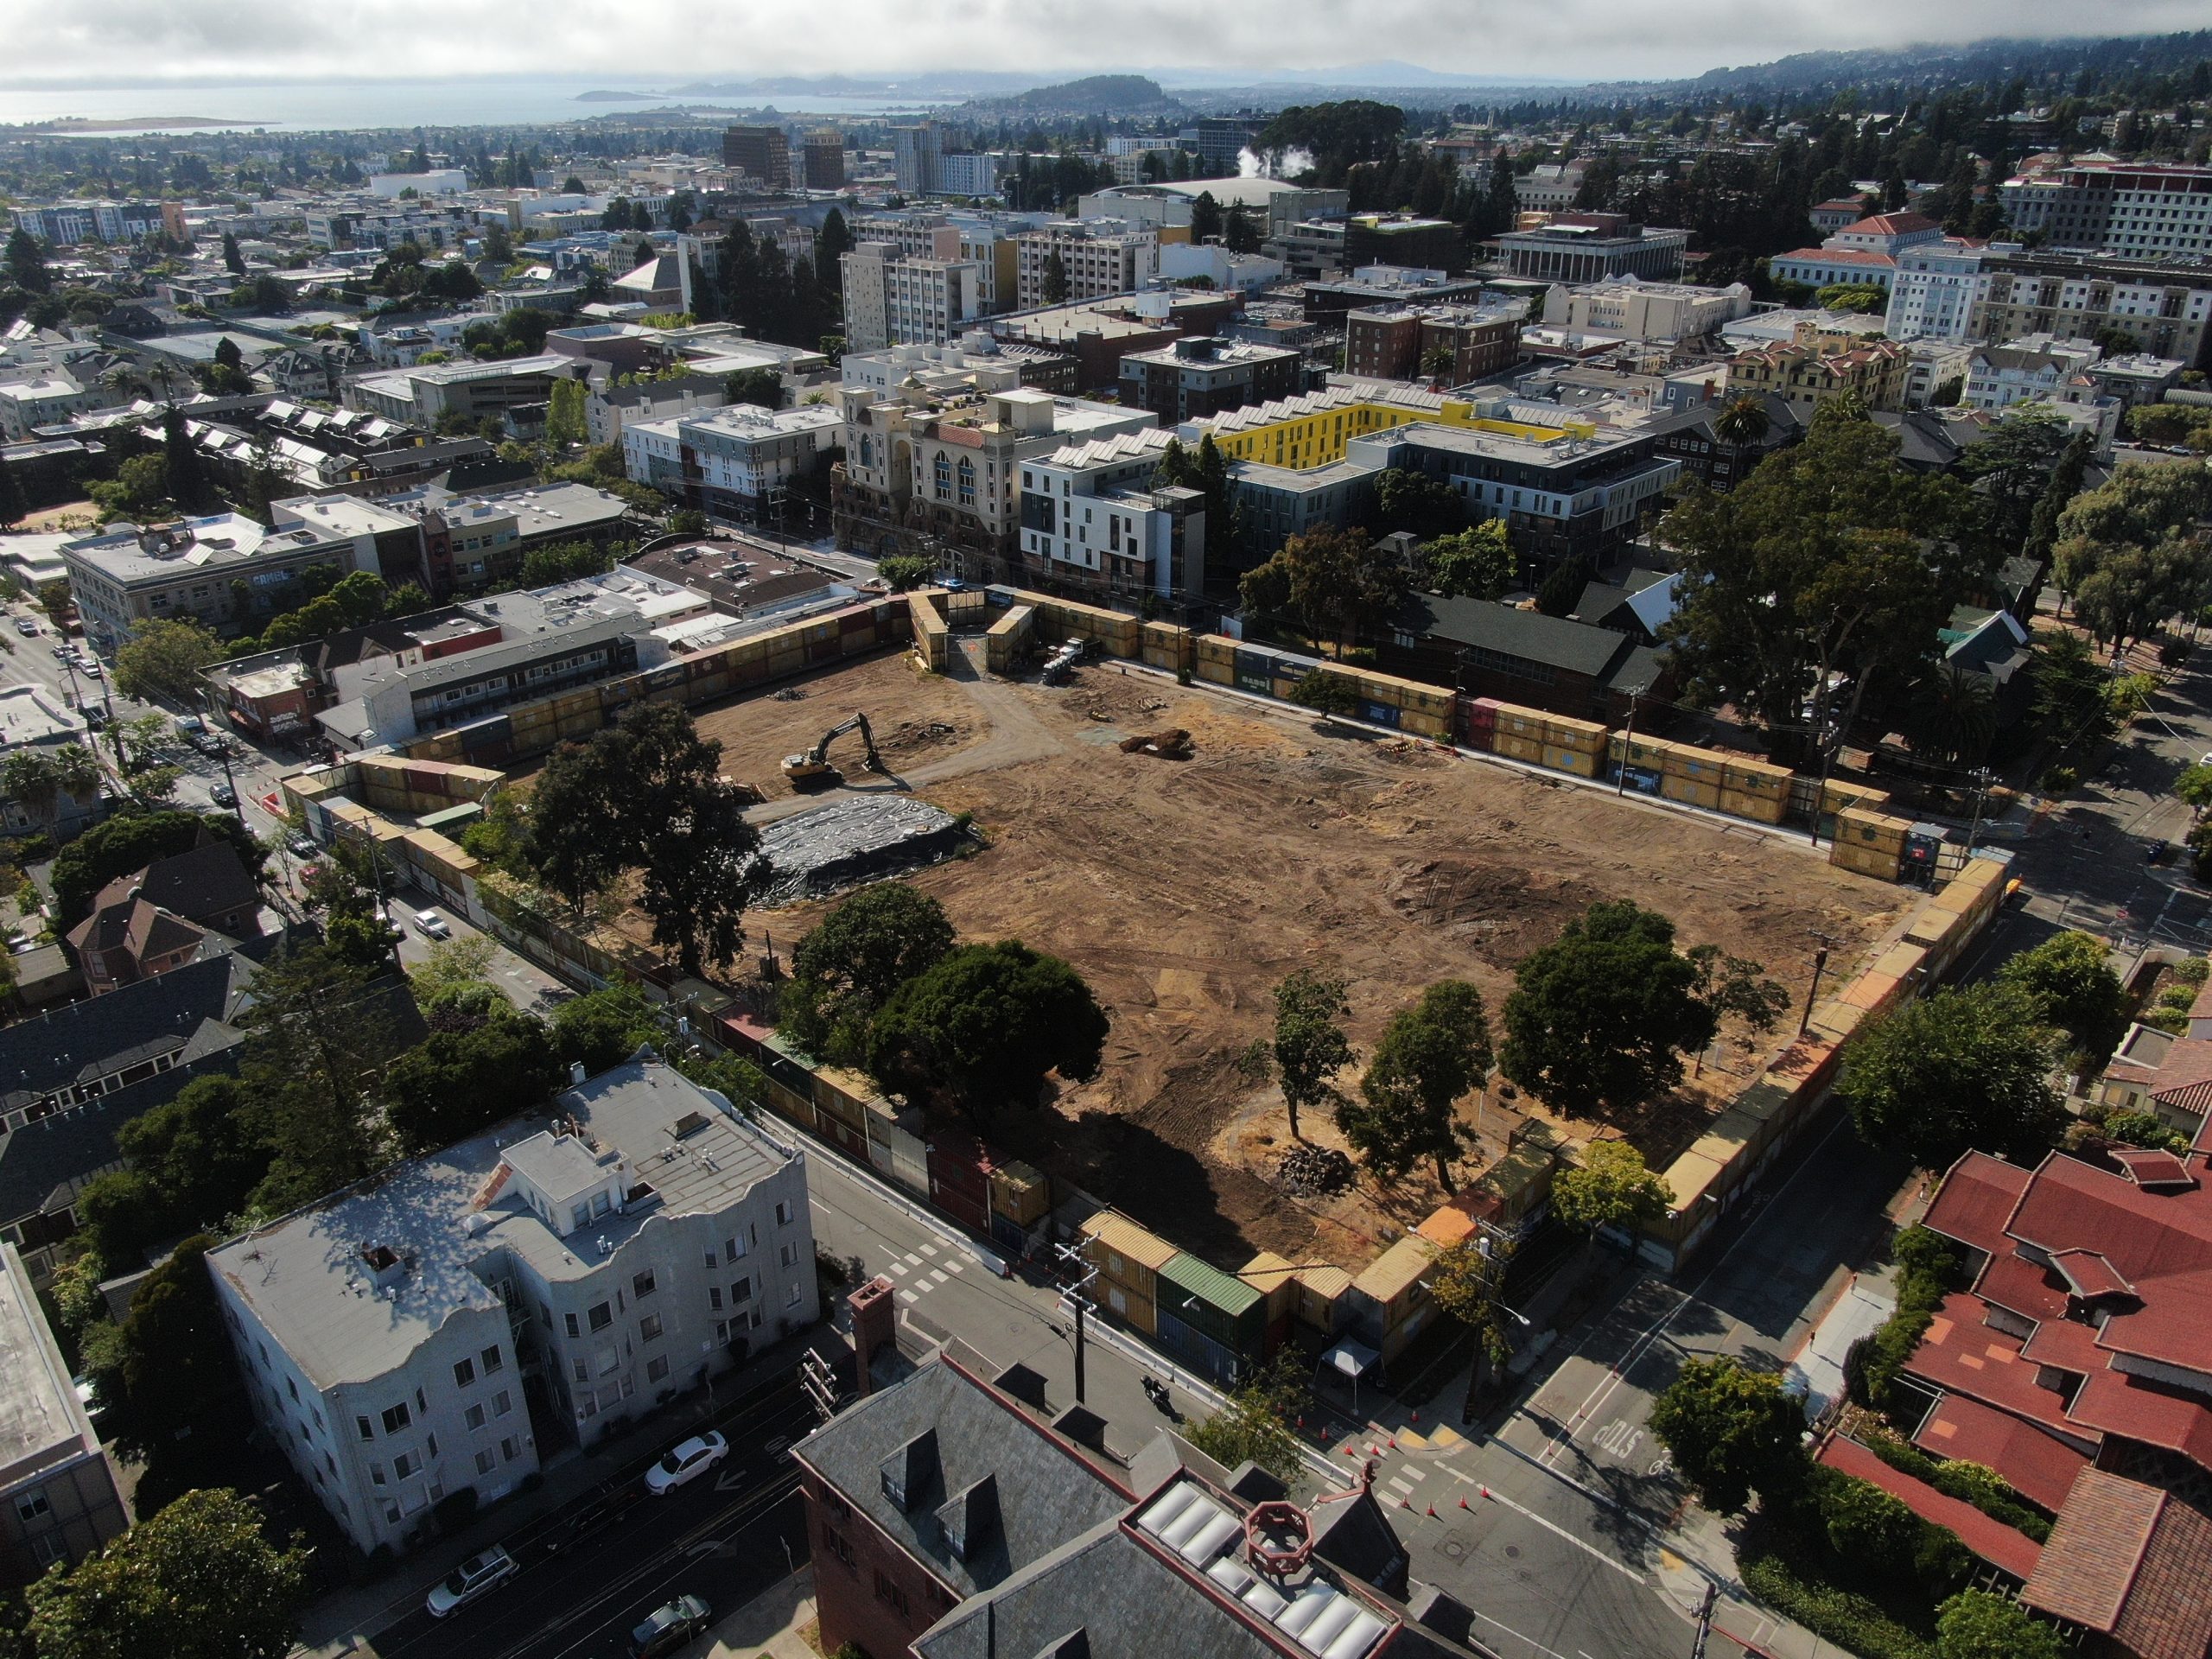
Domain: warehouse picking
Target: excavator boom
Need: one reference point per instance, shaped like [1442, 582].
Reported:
[813, 764]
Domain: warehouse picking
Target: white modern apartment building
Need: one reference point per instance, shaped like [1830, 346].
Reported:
[420, 394]
[1101, 257]
[1636, 309]
[916, 151]
[1935, 287]
[2037, 369]
[971, 172]
[1092, 516]
[732, 462]
[455, 1320]
[64, 224]
[2148, 210]
[893, 300]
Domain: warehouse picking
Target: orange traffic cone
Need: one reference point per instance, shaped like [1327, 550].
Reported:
[1462, 1503]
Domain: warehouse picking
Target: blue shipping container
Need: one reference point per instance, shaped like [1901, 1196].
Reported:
[1642, 779]
[1199, 1352]
[1378, 714]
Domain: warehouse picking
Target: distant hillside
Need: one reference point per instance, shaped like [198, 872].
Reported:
[1093, 95]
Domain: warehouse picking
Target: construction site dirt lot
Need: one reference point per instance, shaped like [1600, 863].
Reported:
[1184, 890]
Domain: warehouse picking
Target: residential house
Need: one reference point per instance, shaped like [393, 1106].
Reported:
[1486, 649]
[158, 918]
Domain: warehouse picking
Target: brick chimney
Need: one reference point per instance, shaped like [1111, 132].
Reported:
[876, 1314]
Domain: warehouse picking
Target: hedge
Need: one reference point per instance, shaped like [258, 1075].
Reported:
[1970, 1483]
[1928, 1269]
[1835, 1615]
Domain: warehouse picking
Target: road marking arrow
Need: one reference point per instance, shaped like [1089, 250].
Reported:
[729, 1481]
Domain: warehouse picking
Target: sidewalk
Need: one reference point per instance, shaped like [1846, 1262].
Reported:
[334, 1625]
[768, 1627]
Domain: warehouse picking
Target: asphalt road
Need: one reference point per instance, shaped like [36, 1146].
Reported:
[591, 1572]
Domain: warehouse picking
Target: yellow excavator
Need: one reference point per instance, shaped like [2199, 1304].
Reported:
[812, 766]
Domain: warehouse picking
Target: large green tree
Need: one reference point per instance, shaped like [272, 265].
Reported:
[1310, 1046]
[1416, 501]
[189, 1163]
[1428, 1057]
[456, 1084]
[1603, 1016]
[982, 1028]
[1732, 1431]
[165, 1370]
[130, 840]
[200, 1579]
[1962, 1070]
[852, 962]
[1477, 563]
[2071, 689]
[1830, 559]
[1332, 581]
[1611, 1186]
[2070, 976]
[161, 660]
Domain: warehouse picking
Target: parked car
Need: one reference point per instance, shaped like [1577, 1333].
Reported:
[223, 794]
[92, 667]
[475, 1576]
[27, 626]
[669, 1627]
[686, 1462]
[431, 926]
[300, 846]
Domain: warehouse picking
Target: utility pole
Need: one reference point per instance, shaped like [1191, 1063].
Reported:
[1705, 1620]
[1981, 778]
[1628, 742]
[1819, 961]
[1081, 1303]
[819, 1383]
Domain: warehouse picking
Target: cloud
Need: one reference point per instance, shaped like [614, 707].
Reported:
[665, 42]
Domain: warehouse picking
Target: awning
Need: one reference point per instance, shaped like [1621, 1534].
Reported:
[1349, 1359]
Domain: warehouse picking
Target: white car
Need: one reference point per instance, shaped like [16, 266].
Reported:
[431, 926]
[687, 1462]
[469, 1580]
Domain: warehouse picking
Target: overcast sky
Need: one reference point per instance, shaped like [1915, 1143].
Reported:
[647, 42]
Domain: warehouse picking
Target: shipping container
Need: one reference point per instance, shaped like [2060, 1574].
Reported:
[1518, 747]
[1218, 673]
[1691, 792]
[1583, 736]
[1577, 761]
[1379, 713]
[1759, 778]
[1644, 780]
[1761, 808]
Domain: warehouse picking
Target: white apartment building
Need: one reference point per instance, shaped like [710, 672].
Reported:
[915, 153]
[1636, 309]
[1092, 516]
[2033, 370]
[1551, 189]
[2149, 210]
[730, 462]
[455, 1320]
[1102, 257]
[971, 172]
[893, 300]
[1935, 287]
[64, 223]
[223, 571]
[42, 399]
[438, 181]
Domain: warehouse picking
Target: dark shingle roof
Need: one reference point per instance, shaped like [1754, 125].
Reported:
[89, 1039]
[44, 1165]
[1577, 647]
[1046, 1495]
[207, 880]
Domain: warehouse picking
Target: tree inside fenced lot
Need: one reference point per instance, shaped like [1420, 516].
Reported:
[1428, 1057]
[1310, 1046]
[1965, 1070]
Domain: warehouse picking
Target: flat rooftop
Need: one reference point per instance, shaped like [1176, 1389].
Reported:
[40, 1421]
[680, 1150]
[128, 553]
[29, 715]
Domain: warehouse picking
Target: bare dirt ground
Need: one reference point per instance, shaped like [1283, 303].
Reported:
[1184, 890]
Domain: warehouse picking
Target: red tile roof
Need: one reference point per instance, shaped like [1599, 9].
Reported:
[1995, 1542]
[2089, 1560]
[2151, 1167]
[2017, 1284]
[2116, 1403]
[2069, 1346]
[2040, 1468]
[2167, 1614]
[1977, 1198]
[2187, 1065]
[2089, 1276]
[1889, 224]
[1962, 1355]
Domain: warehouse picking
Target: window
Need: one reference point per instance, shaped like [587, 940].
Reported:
[405, 1464]
[376, 1474]
[710, 1259]
[31, 1504]
[392, 1514]
[714, 1295]
[784, 1213]
[582, 1370]
[368, 1433]
[293, 1388]
[741, 1291]
[657, 1367]
[888, 1592]
[396, 1418]
[574, 1329]
[486, 1463]
[600, 1316]
[649, 1328]
[791, 1297]
[464, 1372]
[490, 1359]
[474, 1417]
[734, 1250]
[508, 1451]
[643, 1285]
[788, 1255]
[834, 1541]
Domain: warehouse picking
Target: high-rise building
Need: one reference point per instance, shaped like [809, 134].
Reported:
[915, 152]
[1936, 286]
[2162, 305]
[2149, 210]
[822, 157]
[895, 300]
[762, 152]
[1098, 257]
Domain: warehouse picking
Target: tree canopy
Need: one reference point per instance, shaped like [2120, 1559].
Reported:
[2074, 987]
[1984, 1624]
[1961, 1071]
[851, 964]
[1309, 1045]
[1477, 563]
[1732, 1431]
[199, 1579]
[1428, 1057]
[1332, 581]
[130, 840]
[1829, 560]
[1602, 1015]
[983, 1026]
[1610, 1187]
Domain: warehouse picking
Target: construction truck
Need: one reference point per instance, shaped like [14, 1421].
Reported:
[812, 766]
[1062, 662]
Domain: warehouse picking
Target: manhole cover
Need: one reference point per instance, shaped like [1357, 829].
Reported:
[1513, 1552]
[1453, 1550]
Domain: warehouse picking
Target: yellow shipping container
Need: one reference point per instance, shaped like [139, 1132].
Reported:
[1585, 736]
[1573, 760]
[1861, 828]
[1690, 790]
[1514, 748]
[1762, 809]
[1420, 725]
[1521, 722]
[1757, 778]
[1218, 673]
[1703, 766]
[1649, 753]
[1883, 863]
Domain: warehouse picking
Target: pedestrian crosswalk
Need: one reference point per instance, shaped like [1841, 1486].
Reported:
[918, 1273]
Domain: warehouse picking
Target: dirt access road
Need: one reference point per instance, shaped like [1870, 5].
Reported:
[1184, 890]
